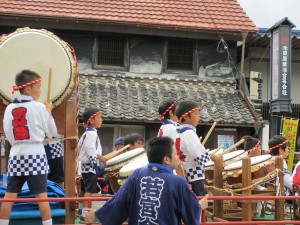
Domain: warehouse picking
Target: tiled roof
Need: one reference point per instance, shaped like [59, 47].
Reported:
[262, 38]
[223, 15]
[137, 99]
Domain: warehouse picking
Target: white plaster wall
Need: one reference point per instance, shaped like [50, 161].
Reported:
[264, 68]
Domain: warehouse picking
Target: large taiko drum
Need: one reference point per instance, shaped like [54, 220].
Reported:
[37, 50]
[228, 159]
[261, 166]
[128, 169]
[114, 165]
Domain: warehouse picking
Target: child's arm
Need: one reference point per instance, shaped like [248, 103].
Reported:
[102, 158]
[49, 106]
[49, 123]
[193, 144]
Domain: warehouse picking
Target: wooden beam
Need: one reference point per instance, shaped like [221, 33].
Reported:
[246, 182]
[279, 204]
[70, 159]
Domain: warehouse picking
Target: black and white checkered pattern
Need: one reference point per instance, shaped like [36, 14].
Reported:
[86, 168]
[54, 150]
[196, 173]
[89, 167]
[25, 165]
[203, 159]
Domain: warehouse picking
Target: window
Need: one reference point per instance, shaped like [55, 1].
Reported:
[226, 137]
[111, 51]
[180, 54]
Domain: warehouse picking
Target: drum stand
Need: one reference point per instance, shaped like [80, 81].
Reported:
[65, 119]
[219, 211]
[296, 205]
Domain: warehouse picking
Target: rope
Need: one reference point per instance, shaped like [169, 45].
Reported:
[233, 192]
[47, 140]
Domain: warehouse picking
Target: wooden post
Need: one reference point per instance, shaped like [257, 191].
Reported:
[279, 204]
[244, 36]
[246, 182]
[218, 182]
[70, 157]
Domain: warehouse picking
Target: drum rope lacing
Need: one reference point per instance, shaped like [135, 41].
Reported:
[233, 192]
[48, 140]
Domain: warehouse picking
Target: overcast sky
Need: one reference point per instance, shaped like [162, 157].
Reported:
[265, 13]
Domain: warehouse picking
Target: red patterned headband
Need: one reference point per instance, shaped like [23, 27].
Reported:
[276, 146]
[16, 88]
[253, 148]
[162, 116]
[86, 124]
[188, 112]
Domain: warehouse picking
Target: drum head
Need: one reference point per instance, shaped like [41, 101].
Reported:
[209, 163]
[37, 50]
[128, 169]
[233, 154]
[127, 155]
[254, 160]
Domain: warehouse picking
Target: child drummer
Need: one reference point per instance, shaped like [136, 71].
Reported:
[166, 112]
[190, 150]
[279, 146]
[90, 151]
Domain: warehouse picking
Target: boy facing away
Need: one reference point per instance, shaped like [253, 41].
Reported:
[25, 124]
[166, 112]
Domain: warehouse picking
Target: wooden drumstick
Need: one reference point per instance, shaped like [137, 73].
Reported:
[209, 132]
[114, 153]
[49, 85]
[233, 146]
[217, 149]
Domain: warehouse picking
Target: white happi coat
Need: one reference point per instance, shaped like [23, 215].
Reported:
[25, 124]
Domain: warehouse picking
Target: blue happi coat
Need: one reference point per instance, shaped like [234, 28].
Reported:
[152, 195]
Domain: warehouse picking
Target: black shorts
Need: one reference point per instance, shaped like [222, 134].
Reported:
[56, 170]
[37, 183]
[89, 183]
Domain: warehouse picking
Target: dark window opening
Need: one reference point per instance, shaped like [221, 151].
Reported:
[180, 54]
[111, 50]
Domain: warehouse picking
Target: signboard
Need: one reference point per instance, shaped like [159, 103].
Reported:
[289, 131]
[226, 140]
[281, 69]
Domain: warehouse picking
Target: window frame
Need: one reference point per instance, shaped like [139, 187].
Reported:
[125, 67]
[195, 63]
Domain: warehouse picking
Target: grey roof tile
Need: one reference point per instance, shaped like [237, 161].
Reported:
[135, 99]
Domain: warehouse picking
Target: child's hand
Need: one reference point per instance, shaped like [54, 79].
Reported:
[49, 106]
[102, 158]
[90, 215]
[204, 203]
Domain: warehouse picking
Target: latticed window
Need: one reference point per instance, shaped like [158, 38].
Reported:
[180, 54]
[111, 50]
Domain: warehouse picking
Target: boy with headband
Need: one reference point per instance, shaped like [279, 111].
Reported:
[191, 152]
[25, 124]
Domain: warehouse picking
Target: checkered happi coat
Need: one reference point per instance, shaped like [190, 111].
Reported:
[26, 165]
[195, 154]
[54, 150]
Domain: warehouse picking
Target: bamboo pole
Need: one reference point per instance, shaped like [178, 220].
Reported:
[209, 132]
[114, 153]
[217, 149]
[233, 146]
[49, 85]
